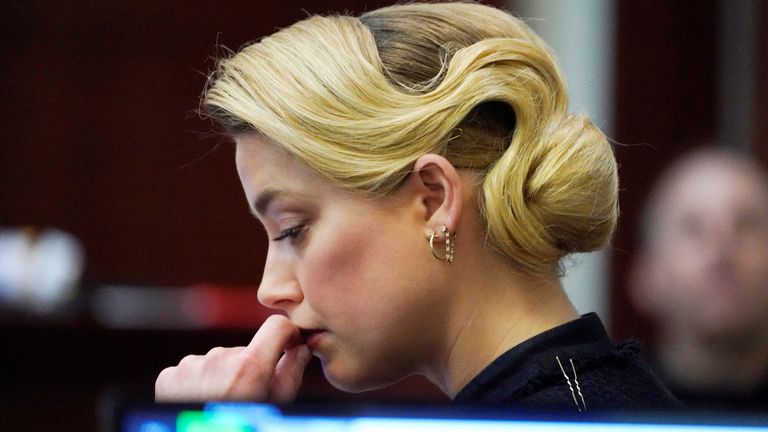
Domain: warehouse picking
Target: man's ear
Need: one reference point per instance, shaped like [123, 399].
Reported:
[441, 188]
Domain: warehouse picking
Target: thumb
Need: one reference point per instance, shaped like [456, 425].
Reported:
[288, 374]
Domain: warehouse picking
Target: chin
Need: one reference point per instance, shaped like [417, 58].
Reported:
[353, 380]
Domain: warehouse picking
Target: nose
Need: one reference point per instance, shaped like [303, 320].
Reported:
[279, 288]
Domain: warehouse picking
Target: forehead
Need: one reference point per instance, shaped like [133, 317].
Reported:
[254, 153]
[715, 185]
[262, 165]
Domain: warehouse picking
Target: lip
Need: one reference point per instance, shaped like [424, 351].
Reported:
[312, 337]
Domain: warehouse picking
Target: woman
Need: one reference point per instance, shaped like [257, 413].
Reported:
[420, 180]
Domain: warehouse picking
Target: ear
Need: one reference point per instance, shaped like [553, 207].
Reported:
[441, 191]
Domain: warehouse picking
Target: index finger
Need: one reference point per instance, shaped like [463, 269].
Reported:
[270, 341]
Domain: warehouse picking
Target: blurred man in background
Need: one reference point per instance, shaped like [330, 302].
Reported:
[702, 275]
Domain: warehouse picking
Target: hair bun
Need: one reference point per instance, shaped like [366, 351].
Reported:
[551, 196]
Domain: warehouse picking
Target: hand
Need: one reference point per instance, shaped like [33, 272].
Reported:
[270, 369]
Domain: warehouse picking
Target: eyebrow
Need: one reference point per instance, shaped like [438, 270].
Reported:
[263, 200]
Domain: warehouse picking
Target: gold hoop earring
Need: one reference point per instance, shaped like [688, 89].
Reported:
[450, 244]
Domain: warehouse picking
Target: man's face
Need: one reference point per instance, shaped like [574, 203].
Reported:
[709, 259]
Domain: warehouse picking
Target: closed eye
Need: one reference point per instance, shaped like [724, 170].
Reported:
[291, 233]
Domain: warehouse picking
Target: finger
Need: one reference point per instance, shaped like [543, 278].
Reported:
[268, 344]
[264, 351]
[288, 374]
[172, 384]
[163, 389]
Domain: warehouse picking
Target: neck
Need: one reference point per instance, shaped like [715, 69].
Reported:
[733, 364]
[498, 309]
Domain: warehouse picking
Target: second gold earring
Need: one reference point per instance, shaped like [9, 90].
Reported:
[450, 244]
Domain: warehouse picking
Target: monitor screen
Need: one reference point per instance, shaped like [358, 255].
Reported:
[250, 417]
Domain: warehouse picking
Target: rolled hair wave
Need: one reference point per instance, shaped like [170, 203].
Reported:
[360, 99]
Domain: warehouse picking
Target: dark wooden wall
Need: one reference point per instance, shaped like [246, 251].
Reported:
[761, 97]
[666, 98]
[667, 102]
[100, 136]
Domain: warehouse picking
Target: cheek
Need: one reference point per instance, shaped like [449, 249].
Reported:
[752, 273]
[339, 267]
[332, 265]
[753, 256]
[678, 281]
[363, 273]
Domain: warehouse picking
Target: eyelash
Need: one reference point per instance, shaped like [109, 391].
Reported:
[292, 232]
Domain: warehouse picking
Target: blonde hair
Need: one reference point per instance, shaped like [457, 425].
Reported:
[360, 99]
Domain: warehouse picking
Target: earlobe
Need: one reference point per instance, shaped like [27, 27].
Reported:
[441, 191]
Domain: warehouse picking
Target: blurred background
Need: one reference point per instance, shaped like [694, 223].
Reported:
[125, 242]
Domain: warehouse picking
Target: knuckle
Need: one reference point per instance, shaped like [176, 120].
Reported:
[223, 373]
[188, 361]
[166, 384]
[164, 376]
[216, 352]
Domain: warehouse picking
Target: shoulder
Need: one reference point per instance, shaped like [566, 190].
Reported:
[614, 380]
[570, 367]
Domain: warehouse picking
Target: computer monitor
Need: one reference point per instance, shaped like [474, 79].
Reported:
[252, 417]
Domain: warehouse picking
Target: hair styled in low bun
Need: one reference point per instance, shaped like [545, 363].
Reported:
[360, 99]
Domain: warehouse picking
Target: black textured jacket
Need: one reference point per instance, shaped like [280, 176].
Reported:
[595, 375]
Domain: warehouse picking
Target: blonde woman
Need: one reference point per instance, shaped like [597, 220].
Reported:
[420, 179]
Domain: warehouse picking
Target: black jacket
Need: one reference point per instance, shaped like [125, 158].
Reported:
[595, 374]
